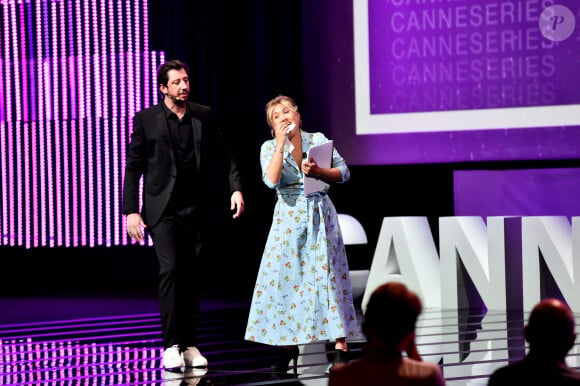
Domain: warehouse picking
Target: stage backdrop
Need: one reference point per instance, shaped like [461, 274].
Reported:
[391, 82]
[448, 81]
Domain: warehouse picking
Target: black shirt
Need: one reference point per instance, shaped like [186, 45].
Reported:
[181, 133]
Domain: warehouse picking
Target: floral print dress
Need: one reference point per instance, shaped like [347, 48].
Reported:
[302, 293]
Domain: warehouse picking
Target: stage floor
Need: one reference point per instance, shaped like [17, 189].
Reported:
[116, 341]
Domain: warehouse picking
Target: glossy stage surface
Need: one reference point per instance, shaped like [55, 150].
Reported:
[117, 341]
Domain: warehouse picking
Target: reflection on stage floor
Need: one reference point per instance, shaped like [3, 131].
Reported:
[117, 342]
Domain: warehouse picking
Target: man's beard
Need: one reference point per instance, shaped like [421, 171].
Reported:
[177, 100]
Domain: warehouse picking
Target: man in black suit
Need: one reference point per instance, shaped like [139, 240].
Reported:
[174, 146]
[550, 333]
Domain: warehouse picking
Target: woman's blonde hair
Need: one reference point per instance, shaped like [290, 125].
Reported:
[279, 100]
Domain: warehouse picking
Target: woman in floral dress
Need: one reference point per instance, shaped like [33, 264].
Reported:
[302, 293]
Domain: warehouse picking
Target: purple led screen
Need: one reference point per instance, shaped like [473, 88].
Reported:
[72, 75]
[473, 61]
[525, 192]
[458, 55]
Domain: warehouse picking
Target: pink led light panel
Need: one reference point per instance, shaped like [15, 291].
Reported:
[72, 75]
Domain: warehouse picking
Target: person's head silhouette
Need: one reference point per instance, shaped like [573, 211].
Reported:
[390, 356]
[550, 329]
[391, 314]
[550, 334]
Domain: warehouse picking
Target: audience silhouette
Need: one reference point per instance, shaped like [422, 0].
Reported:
[389, 326]
[550, 334]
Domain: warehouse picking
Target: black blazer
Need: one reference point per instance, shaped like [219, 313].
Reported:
[150, 154]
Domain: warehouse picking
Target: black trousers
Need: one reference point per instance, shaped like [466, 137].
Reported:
[177, 239]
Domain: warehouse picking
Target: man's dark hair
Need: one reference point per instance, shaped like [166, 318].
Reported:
[391, 313]
[162, 77]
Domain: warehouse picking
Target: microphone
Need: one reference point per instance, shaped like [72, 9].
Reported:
[173, 97]
[303, 155]
[176, 101]
[290, 127]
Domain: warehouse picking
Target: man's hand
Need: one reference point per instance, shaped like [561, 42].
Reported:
[237, 203]
[135, 226]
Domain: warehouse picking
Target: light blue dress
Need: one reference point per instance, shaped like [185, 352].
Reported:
[302, 293]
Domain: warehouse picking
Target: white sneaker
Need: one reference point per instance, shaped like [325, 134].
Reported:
[192, 376]
[193, 358]
[172, 357]
[189, 376]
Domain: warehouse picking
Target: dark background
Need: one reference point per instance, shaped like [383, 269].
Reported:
[242, 54]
